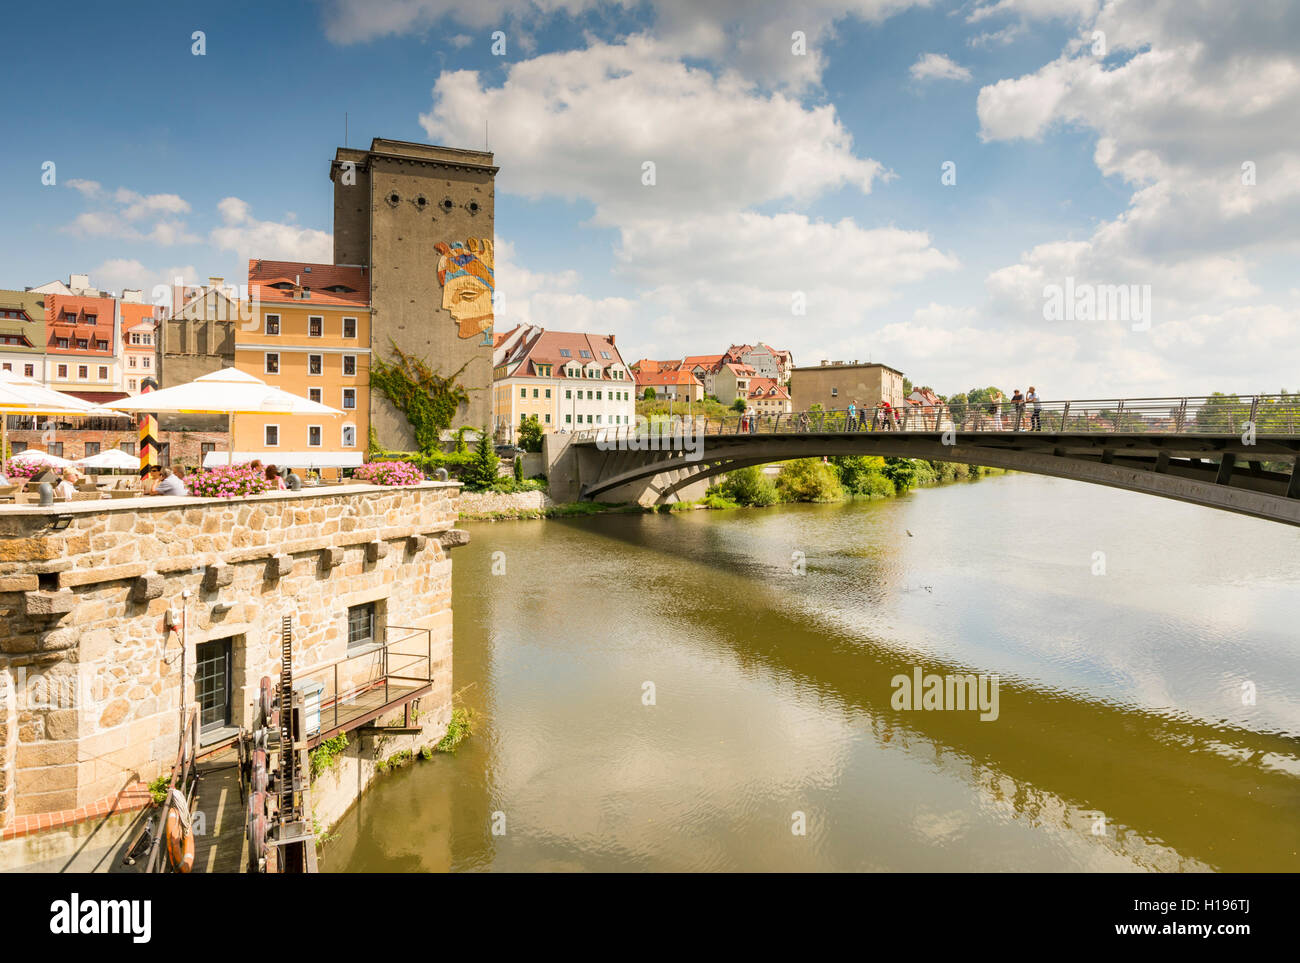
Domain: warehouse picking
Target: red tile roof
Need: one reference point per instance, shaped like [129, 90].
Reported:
[767, 388]
[317, 278]
[677, 377]
[545, 347]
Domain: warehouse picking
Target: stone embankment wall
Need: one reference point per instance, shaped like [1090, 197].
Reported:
[495, 504]
[91, 661]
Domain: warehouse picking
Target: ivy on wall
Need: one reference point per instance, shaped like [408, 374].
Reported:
[428, 399]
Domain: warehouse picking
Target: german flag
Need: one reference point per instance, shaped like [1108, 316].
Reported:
[148, 425]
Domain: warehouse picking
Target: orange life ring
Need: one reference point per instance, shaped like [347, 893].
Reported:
[180, 843]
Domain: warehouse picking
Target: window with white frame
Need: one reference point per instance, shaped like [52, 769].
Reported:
[315, 364]
[273, 362]
[349, 327]
[271, 436]
[315, 327]
[314, 394]
[273, 324]
[349, 436]
[313, 436]
[349, 364]
[349, 398]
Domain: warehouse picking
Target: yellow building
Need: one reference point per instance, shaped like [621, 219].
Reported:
[309, 335]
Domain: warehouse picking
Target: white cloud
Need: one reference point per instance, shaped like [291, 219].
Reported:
[743, 35]
[120, 214]
[86, 188]
[933, 66]
[248, 237]
[1035, 9]
[583, 124]
[1196, 96]
[117, 274]
[705, 265]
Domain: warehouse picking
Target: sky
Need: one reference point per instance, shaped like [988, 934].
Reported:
[913, 182]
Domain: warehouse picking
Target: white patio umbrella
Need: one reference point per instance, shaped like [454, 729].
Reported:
[34, 456]
[113, 459]
[226, 392]
[24, 396]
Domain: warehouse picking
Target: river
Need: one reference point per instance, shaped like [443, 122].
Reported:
[1127, 634]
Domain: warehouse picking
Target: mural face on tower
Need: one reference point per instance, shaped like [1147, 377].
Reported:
[466, 275]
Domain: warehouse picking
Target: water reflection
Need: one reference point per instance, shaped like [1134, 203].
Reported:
[1119, 692]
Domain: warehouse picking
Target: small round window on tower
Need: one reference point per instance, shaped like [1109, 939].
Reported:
[421, 201]
[473, 207]
[393, 199]
[446, 204]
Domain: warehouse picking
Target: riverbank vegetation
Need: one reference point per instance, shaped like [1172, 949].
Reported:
[834, 480]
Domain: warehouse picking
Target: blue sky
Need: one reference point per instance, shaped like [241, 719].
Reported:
[817, 174]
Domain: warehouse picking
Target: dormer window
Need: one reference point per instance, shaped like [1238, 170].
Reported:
[282, 286]
[340, 289]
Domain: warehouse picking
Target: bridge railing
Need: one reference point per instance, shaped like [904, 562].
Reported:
[1207, 414]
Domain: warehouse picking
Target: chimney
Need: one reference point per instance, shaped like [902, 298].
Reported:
[215, 282]
[610, 337]
[825, 363]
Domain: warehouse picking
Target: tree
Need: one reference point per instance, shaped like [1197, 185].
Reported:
[519, 468]
[808, 480]
[648, 394]
[901, 472]
[907, 386]
[750, 486]
[738, 405]
[530, 433]
[481, 473]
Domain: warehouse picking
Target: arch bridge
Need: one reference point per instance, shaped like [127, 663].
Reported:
[1233, 453]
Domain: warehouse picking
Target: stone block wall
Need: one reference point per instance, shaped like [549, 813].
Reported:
[91, 669]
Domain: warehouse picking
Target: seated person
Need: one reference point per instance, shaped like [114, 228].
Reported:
[273, 476]
[167, 483]
[66, 488]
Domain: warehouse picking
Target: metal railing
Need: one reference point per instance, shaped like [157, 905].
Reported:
[1214, 414]
[381, 668]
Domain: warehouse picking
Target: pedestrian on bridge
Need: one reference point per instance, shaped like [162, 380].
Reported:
[1037, 416]
[1018, 407]
[862, 418]
[850, 423]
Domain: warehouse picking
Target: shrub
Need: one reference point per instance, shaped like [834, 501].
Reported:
[749, 486]
[530, 434]
[227, 481]
[389, 473]
[714, 498]
[481, 472]
[808, 480]
[519, 469]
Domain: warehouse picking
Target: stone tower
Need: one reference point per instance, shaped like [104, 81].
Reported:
[420, 217]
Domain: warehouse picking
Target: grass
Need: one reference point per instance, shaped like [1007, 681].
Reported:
[460, 729]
